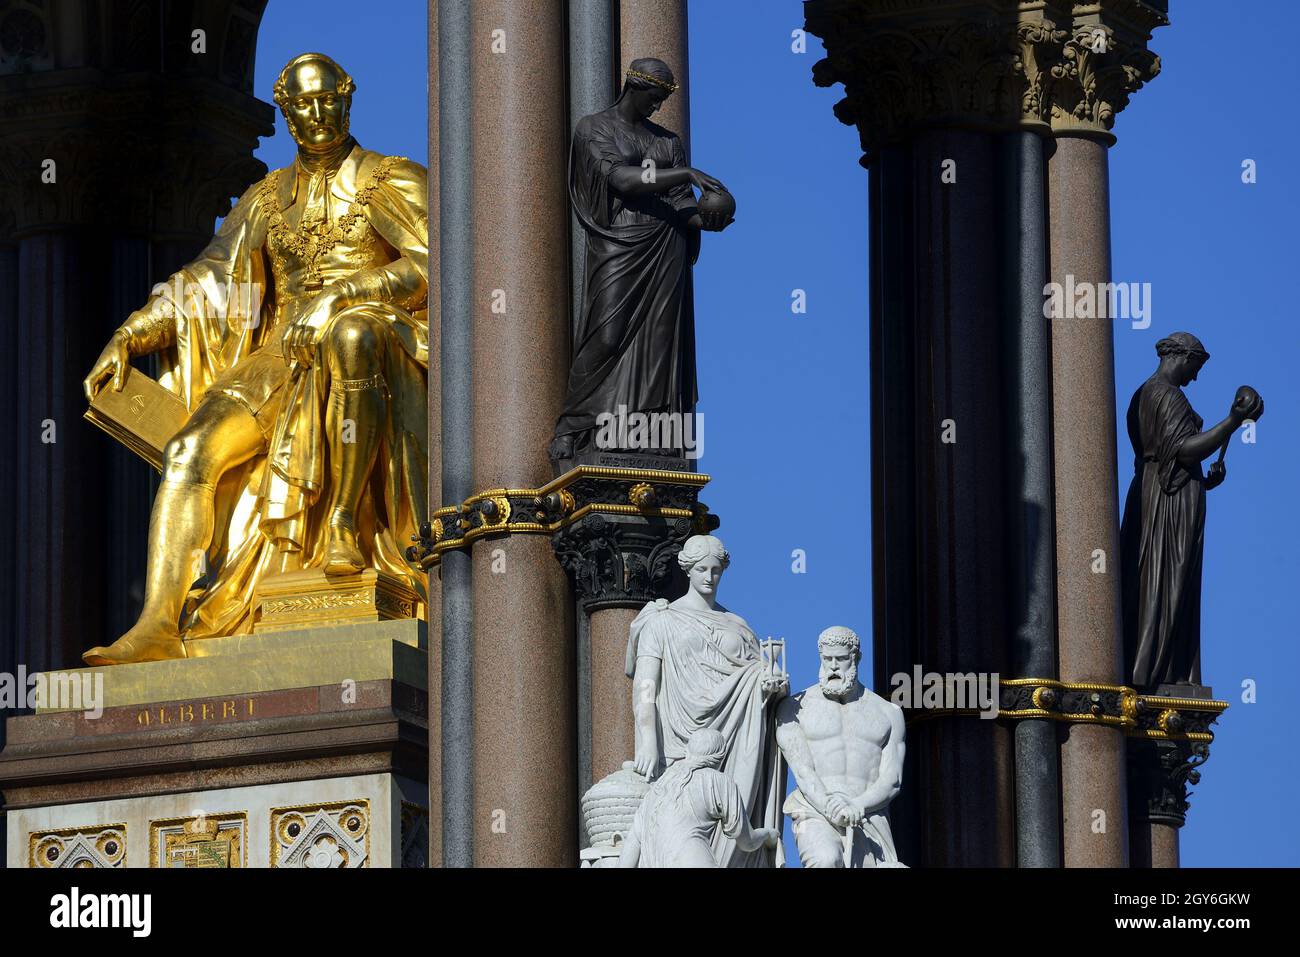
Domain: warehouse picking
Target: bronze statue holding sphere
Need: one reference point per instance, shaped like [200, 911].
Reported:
[1163, 534]
[634, 345]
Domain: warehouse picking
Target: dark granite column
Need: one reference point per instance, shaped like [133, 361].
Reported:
[960, 398]
[1027, 395]
[938, 509]
[456, 426]
[525, 739]
[1096, 78]
[593, 84]
[63, 466]
[8, 477]
[435, 617]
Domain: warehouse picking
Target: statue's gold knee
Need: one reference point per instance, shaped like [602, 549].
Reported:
[355, 339]
[187, 458]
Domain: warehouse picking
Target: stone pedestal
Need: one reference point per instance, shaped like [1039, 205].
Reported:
[293, 749]
[309, 597]
[1162, 766]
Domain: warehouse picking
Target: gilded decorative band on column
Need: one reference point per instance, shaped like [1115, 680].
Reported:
[583, 491]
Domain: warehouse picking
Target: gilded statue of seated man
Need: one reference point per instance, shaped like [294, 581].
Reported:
[306, 442]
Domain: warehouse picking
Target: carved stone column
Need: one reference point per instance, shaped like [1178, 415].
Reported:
[1161, 766]
[951, 101]
[1104, 62]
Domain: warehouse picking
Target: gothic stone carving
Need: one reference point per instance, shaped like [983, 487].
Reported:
[94, 846]
[335, 835]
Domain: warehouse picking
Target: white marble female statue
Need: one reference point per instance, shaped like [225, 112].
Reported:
[696, 665]
[679, 817]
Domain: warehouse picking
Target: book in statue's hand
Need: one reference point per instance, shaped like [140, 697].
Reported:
[143, 416]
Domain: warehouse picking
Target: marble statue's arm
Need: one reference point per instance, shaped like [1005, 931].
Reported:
[729, 809]
[630, 855]
[794, 745]
[645, 689]
[752, 838]
[889, 777]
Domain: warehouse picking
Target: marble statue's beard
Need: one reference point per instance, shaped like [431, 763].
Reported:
[842, 687]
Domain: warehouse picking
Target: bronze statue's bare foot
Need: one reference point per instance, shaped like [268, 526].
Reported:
[342, 556]
[147, 641]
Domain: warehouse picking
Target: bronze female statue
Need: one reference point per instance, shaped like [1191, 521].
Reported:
[634, 345]
[1163, 534]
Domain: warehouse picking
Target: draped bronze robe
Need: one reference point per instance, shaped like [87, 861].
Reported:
[634, 345]
[1163, 541]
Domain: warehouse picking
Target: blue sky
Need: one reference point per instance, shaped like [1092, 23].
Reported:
[785, 397]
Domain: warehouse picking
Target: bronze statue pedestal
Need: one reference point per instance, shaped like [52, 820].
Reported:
[310, 598]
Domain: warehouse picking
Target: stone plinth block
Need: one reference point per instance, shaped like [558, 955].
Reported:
[309, 597]
[289, 749]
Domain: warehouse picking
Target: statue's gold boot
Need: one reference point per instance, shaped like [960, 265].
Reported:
[141, 643]
[342, 556]
[180, 526]
[357, 409]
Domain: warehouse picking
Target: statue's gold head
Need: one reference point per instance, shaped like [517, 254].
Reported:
[315, 95]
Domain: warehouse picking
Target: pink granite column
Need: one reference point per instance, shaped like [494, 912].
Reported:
[613, 739]
[657, 28]
[524, 735]
[1087, 509]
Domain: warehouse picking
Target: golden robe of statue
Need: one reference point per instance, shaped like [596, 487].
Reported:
[306, 443]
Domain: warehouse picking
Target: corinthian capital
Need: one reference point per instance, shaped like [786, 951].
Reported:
[984, 64]
[1105, 61]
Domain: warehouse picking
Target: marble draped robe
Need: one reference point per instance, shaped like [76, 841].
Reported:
[270, 511]
[1163, 541]
[710, 677]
